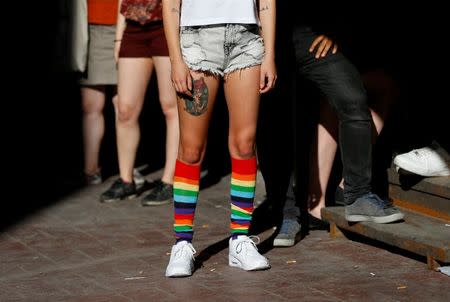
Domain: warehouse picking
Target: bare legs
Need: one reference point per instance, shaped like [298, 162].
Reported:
[194, 119]
[242, 95]
[133, 77]
[93, 123]
[168, 100]
[322, 156]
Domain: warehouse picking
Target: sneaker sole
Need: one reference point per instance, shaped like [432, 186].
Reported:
[283, 242]
[438, 174]
[405, 166]
[155, 202]
[179, 273]
[94, 183]
[233, 262]
[383, 219]
[118, 199]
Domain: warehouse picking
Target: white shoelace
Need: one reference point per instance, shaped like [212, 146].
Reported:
[181, 251]
[248, 240]
[423, 152]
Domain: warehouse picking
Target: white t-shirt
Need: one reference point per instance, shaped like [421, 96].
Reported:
[206, 12]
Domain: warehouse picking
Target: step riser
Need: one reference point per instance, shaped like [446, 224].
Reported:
[431, 205]
[424, 236]
[436, 186]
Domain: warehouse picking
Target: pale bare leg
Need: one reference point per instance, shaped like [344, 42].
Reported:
[242, 95]
[133, 75]
[322, 157]
[168, 100]
[93, 123]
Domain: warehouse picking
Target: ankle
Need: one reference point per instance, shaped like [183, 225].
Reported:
[182, 241]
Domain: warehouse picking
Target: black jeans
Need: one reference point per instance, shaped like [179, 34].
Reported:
[340, 83]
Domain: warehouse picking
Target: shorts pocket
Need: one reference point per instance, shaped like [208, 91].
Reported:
[188, 36]
[253, 47]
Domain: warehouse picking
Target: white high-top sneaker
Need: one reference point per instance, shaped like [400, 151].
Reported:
[181, 261]
[244, 254]
[428, 161]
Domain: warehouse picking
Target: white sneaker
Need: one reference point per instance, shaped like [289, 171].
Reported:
[138, 178]
[181, 261]
[428, 161]
[244, 254]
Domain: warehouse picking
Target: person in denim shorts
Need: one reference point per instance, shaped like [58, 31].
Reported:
[210, 40]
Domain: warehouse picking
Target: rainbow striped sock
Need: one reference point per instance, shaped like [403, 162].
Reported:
[185, 194]
[243, 183]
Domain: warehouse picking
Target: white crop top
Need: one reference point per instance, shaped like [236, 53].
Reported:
[206, 12]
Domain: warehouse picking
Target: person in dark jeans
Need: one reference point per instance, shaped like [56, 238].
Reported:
[341, 84]
[318, 61]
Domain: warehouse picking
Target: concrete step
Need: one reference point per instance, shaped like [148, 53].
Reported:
[429, 196]
[419, 234]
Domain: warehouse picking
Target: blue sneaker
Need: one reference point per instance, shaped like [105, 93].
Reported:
[289, 231]
[370, 207]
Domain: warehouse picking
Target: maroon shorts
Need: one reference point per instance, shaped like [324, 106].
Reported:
[143, 41]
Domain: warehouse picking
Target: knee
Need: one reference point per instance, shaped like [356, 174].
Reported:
[190, 155]
[92, 108]
[354, 106]
[115, 101]
[243, 148]
[169, 110]
[126, 113]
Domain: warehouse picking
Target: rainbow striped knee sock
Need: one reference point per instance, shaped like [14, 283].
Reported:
[243, 183]
[185, 194]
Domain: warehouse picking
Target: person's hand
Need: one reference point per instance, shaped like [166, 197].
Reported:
[268, 75]
[181, 77]
[322, 45]
[117, 44]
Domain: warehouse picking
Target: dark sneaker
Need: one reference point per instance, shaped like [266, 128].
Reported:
[161, 194]
[93, 179]
[370, 207]
[316, 223]
[290, 229]
[119, 190]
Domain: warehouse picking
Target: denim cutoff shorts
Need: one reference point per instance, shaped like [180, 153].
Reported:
[221, 49]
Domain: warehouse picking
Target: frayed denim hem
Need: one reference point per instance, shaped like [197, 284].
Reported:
[208, 71]
[240, 68]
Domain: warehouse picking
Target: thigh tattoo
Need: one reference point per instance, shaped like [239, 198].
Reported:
[198, 103]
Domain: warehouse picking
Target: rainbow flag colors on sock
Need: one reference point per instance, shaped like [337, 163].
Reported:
[243, 183]
[185, 194]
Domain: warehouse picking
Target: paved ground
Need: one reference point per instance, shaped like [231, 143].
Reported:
[81, 250]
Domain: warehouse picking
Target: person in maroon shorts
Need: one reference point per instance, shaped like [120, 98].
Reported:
[140, 48]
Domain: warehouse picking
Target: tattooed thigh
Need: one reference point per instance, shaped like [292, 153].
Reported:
[198, 103]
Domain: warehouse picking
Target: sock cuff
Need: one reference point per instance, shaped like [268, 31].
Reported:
[187, 171]
[244, 166]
